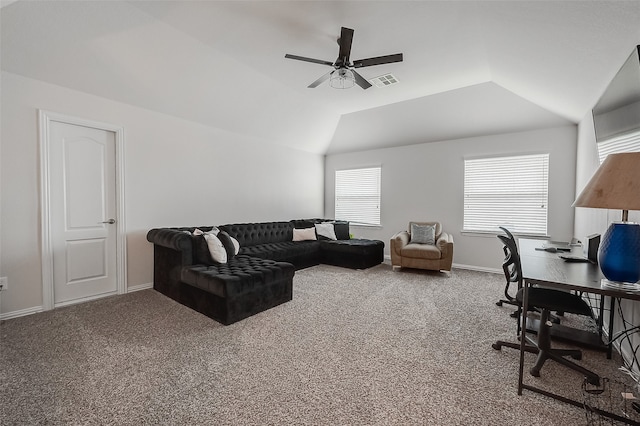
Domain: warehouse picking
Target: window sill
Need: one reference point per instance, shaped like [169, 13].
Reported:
[364, 225]
[490, 234]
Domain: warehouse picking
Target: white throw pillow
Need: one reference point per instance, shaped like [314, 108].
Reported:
[214, 231]
[326, 230]
[236, 245]
[217, 250]
[304, 234]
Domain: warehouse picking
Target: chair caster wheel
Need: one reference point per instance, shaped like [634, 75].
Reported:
[577, 357]
[498, 303]
[496, 346]
[534, 373]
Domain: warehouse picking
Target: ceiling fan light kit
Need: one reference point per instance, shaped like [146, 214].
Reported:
[342, 78]
[344, 74]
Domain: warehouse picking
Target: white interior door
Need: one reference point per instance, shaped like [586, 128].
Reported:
[82, 170]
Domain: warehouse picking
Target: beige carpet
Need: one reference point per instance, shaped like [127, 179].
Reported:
[353, 347]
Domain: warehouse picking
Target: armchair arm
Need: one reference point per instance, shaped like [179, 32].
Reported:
[398, 241]
[445, 244]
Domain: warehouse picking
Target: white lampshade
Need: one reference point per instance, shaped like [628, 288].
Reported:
[615, 185]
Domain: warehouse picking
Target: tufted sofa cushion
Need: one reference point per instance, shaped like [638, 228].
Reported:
[282, 251]
[251, 234]
[242, 274]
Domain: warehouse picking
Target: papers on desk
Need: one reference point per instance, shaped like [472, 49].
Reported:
[555, 246]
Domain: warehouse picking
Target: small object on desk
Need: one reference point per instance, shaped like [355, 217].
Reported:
[549, 249]
[557, 245]
[572, 258]
[552, 249]
[593, 243]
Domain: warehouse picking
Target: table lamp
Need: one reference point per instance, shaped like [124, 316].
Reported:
[616, 185]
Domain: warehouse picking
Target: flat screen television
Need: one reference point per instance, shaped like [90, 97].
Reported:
[618, 110]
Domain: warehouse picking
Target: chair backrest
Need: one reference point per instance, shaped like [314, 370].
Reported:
[511, 264]
[506, 231]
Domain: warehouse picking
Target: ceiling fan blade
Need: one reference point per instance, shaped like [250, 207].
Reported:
[360, 80]
[346, 38]
[320, 80]
[379, 60]
[302, 58]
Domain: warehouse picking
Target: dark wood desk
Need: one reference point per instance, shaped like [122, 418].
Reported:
[549, 270]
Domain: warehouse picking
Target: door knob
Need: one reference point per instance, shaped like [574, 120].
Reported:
[110, 221]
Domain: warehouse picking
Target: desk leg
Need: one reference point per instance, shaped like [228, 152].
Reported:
[611, 316]
[523, 340]
[601, 316]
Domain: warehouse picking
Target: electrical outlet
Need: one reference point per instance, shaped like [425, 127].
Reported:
[4, 283]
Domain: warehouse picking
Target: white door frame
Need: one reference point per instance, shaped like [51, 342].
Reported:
[45, 118]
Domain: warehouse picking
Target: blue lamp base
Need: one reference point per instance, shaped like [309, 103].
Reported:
[619, 253]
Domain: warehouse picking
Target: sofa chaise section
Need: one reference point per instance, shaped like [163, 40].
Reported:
[238, 289]
[226, 292]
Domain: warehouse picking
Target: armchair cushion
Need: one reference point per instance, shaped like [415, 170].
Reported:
[421, 251]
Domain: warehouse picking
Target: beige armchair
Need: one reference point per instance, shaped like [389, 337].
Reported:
[437, 256]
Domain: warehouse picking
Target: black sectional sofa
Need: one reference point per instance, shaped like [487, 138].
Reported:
[260, 276]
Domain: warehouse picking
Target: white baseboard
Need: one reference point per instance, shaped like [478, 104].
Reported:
[37, 309]
[478, 268]
[468, 267]
[21, 313]
[139, 287]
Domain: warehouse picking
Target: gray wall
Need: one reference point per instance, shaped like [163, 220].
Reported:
[177, 173]
[425, 182]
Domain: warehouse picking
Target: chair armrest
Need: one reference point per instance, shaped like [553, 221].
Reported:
[401, 238]
[445, 244]
[398, 241]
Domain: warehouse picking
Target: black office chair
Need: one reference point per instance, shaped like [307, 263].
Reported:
[509, 274]
[546, 300]
[510, 245]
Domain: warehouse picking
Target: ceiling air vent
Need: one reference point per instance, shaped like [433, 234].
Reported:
[384, 80]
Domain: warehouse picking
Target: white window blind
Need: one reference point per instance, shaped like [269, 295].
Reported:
[358, 195]
[507, 191]
[625, 143]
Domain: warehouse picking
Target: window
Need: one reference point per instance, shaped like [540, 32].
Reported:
[625, 143]
[358, 195]
[507, 191]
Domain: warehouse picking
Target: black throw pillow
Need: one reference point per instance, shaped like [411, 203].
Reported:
[201, 251]
[342, 229]
[225, 239]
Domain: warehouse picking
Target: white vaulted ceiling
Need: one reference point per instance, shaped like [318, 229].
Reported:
[470, 68]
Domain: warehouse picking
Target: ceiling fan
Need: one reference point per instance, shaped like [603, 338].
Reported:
[344, 74]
